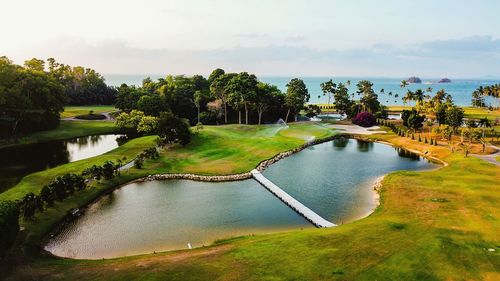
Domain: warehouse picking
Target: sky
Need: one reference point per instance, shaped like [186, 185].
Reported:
[375, 38]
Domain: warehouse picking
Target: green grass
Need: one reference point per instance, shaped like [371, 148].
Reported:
[67, 130]
[470, 112]
[72, 111]
[434, 225]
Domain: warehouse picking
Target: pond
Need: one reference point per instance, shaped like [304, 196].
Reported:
[166, 215]
[334, 179]
[19, 161]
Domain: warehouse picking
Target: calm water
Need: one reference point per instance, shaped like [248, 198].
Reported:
[333, 179]
[460, 89]
[19, 161]
[166, 215]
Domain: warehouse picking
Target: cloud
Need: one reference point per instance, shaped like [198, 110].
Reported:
[295, 38]
[251, 35]
[466, 57]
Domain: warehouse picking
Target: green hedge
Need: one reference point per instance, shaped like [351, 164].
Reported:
[9, 225]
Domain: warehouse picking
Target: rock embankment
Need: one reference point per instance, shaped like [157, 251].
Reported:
[264, 164]
[194, 177]
[236, 177]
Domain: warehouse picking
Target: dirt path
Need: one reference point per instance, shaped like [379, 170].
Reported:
[490, 157]
[358, 130]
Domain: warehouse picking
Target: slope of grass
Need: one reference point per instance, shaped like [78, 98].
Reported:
[434, 225]
[72, 111]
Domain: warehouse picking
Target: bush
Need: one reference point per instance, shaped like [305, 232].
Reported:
[173, 129]
[139, 162]
[364, 119]
[9, 225]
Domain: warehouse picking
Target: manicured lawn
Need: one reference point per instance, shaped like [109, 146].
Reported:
[435, 225]
[72, 111]
[470, 112]
[68, 130]
[234, 149]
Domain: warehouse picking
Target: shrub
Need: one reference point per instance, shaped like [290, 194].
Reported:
[364, 119]
[139, 162]
[173, 129]
[9, 225]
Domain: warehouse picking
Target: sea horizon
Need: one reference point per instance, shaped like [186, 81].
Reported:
[459, 88]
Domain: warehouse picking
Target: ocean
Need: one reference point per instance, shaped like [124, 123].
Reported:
[460, 89]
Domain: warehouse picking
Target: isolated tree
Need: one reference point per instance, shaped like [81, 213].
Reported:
[369, 100]
[296, 96]
[454, 117]
[484, 123]
[329, 89]
[343, 103]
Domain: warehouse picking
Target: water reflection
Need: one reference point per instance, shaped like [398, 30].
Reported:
[18, 161]
[340, 143]
[407, 154]
[364, 146]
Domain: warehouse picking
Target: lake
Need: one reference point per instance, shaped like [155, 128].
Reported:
[19, 161]
[334, 179]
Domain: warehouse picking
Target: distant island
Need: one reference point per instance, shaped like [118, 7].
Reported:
[445, 80]
[414, 79]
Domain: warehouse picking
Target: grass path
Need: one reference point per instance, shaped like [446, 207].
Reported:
[434, 225]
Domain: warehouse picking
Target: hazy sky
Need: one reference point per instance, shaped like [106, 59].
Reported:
[454, 38]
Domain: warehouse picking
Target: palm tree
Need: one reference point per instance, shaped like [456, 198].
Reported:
[408, 97]
[484, 123]
[403, 85]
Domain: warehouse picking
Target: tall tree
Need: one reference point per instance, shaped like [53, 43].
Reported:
[296, 97]
[219, 90]
[369, 100]
[243, 89]
[264, 99]
[329, 88]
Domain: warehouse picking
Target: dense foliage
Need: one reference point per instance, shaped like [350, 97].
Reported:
[222, 98]
[364, 119]
[412, 119]
[30, 99]
[9, 225]
[31, 96]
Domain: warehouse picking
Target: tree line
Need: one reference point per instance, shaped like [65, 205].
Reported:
[33, 95]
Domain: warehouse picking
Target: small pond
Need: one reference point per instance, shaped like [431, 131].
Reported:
[334, 179]
[19, 161]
